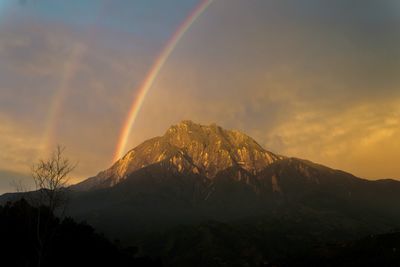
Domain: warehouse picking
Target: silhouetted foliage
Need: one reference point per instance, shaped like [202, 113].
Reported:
[272, 242]
[374, 250]
[72, 244]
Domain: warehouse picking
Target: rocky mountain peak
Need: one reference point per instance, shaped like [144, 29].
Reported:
[188, 147]
[215, 149]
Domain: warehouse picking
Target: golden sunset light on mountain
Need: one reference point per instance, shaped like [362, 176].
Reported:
[205, 113]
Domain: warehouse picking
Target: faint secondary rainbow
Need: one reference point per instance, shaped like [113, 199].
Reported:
[70, 69]
[152, 75]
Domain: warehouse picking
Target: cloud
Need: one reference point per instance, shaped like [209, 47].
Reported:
[297, 77]
[306, 85]
[358, 135]
[362, 139]
[37, 47]
[19, 147]
[35, 63]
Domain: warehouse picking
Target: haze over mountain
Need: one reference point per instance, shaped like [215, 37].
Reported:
[9, 180]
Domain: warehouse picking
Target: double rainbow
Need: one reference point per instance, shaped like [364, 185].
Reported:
[70, 69]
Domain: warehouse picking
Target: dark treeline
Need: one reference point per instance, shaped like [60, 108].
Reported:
[272, 242]
[33, 236]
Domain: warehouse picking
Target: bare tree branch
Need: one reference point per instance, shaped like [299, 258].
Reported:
[51, 176]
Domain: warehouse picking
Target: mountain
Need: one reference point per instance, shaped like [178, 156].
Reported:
[195, 173]
[203, 190]
[188, 148]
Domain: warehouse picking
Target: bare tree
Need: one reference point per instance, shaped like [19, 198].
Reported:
[51, 176]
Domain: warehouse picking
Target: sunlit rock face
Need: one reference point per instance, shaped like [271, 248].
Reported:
[213, 149]
[191, 148]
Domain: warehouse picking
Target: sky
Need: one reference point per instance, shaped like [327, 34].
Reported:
[313, 79]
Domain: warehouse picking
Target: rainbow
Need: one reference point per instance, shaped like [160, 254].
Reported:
[70, 69]
[152, 75]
